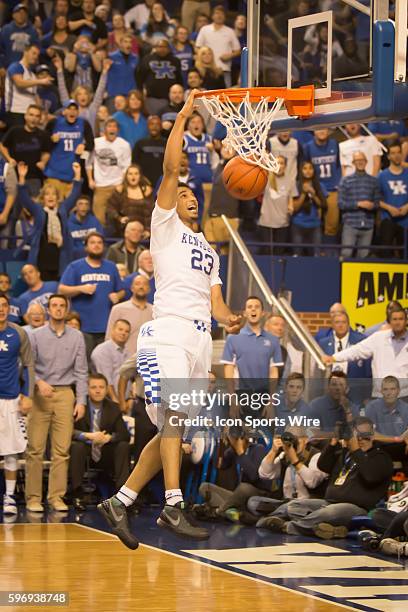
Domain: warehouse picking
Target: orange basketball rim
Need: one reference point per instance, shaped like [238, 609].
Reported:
[298, 102]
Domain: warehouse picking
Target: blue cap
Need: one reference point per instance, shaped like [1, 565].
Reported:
[19, 7]
[70, 102]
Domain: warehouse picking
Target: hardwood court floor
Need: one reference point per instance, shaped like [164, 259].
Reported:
[100, 574]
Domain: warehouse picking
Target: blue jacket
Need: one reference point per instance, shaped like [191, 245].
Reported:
[40, 219]
[121, 76]
[129, 130]
[356, 369]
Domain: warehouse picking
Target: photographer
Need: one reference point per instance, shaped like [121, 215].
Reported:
[359, 479]
[292, 465]
[245, 457]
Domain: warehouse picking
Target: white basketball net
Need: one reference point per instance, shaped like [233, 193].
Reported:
[248, 126]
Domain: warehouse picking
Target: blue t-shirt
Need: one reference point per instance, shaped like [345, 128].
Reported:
[10, 345]
[302, 136]
[79, 230]
[13, 41]
[326, 160]
[394, 191]
[63, 152]
[199, 156]
[15, 311]
[388, 127]
[329, 412]
[388, 422]
[253, 355]
[311, 218]
[186, 57]
[37, 297]
[301, 409]
[93, 309]
[219, 131]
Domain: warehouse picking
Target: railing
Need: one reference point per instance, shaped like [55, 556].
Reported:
[256, 280]
[335, 248]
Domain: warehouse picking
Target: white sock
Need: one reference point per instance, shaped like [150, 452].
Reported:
[173, 497]
[10, 487]
[126, 496]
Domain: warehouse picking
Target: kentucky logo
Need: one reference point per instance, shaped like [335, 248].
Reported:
[147, 331]
[163, 70]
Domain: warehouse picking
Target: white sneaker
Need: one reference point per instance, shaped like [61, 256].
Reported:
[389, 546]
[9, 505]
[398, 496]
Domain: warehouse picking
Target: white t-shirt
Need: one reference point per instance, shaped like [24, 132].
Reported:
[289, 151]
[340, 365]
[368, 145]
[138, 15]
[223, 40]
[18, 100]
[274, 208]
[185, 268]
[110, 161]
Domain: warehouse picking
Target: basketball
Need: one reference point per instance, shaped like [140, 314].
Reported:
[244, 180]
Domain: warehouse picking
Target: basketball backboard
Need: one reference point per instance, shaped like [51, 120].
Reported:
[353, 51]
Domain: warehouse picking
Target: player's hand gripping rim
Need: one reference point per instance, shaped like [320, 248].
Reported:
[189, 106]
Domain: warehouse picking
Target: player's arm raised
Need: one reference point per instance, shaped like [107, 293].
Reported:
[167, 194]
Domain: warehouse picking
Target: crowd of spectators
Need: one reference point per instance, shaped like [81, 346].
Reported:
[100, 84]
[89, 93]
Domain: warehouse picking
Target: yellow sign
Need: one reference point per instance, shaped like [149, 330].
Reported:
[366, 289]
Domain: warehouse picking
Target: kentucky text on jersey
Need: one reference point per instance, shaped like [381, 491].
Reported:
[83, 233]
[70, 135]
[188, 239]
[86, 278]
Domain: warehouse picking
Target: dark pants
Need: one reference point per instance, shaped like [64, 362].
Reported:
[272, 235]
[144, 430]
[305, 235]
[305, 514]
[391, 524]
[91, 342]
[114, 461]
[220, 498]
[391, 233]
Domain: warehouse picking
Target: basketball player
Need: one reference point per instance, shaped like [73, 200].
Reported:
[15, 350]
[175, 347]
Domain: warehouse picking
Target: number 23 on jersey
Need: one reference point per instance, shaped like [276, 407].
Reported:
[204, 262]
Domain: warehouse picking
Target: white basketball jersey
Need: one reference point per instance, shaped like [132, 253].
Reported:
[185, 268]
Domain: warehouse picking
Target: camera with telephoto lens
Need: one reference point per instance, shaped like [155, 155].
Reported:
[342, 431]
[289, 439]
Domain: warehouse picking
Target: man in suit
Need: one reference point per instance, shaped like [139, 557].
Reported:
[100, 435]
[335, 309]
[339, 338]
